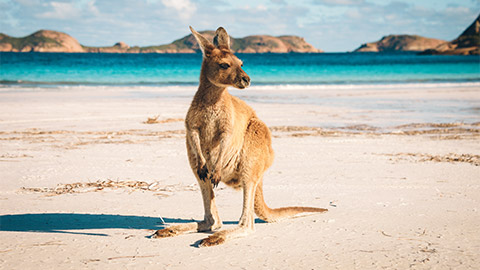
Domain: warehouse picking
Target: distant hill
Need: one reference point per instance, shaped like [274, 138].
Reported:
[467, 43]
[40, 41]
[394, 43]
[53, 41]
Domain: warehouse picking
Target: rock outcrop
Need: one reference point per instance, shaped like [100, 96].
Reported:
[249, 44]
[41, 41]
[468, 43]
[393, 43]
[269, 44]
[52, 41]
[119, 47]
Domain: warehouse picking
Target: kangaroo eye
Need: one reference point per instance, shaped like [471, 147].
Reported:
[224, 66]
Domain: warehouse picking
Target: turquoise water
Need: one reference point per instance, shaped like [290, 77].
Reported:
[323, 80]
[49, 69]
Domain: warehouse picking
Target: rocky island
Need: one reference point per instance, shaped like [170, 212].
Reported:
[393, 43]
[54, 41]
[468, 43]
[40, 41]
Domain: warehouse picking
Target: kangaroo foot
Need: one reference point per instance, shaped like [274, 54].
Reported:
[167, 232]
[221, 237]
[213, 240]
[176, 230]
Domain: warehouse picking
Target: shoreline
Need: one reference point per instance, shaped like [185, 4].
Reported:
[6, 84]
[382, 107]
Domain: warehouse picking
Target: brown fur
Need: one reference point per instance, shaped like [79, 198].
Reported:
[226, 142]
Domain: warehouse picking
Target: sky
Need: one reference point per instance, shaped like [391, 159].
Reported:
[330, 25]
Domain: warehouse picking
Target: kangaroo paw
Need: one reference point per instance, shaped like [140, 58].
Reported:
[202, 173]
[215, 178]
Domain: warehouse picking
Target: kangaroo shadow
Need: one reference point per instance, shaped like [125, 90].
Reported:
[64, 222]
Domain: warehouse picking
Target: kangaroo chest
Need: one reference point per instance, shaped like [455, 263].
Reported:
[210, 122]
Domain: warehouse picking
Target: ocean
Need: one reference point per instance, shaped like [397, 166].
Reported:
[60, 69]
[328, 80]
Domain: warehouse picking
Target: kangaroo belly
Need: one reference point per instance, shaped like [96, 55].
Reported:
[229, 161]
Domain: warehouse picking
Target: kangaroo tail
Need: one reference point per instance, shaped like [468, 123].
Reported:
[271, 215]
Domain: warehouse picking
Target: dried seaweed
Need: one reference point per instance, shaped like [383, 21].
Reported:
[444, 131]
[154, 120]
[70, 139]
[99, 185]
[451, 157]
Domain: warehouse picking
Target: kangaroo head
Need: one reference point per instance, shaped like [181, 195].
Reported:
[220, 66]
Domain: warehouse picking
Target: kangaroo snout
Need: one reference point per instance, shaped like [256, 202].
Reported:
[244, 82]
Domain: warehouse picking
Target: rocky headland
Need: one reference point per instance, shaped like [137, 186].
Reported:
[40, 41]
[468, 43]
[393, 43]
[54, 41]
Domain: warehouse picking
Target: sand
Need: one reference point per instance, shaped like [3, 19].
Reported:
[86, 178]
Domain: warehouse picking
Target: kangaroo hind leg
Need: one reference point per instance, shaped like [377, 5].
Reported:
[247, 219]
[210, 222]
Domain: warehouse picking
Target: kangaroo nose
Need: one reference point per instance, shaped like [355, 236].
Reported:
[246, 81]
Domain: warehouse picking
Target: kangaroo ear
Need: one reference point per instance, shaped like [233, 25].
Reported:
[221, 38]
[205, 45]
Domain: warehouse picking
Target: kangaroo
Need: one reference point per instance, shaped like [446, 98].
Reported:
[226, 142]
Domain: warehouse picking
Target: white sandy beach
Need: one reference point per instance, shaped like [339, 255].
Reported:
[84, 181]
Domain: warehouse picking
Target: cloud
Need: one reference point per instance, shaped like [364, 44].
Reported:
[454, 10]
[92, 8]
[340, 28]
[60, 11]
[67, 10]
[332, 25]
[339, 2]
[184, 8]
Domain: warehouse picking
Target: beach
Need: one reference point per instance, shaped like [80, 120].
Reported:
[88, 173]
